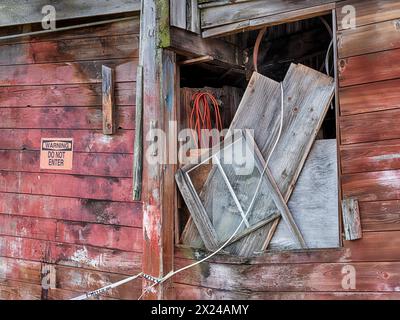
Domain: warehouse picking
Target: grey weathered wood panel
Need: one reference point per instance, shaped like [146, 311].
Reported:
[177, 11]
[314, 202]
[109, 116]
[16, 12]
[193, 16]
[307, 94]
[193, 45]
[270, 20]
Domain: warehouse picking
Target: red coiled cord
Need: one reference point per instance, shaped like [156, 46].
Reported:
[200, 117]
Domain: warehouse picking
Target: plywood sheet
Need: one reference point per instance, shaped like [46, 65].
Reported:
[314, 202]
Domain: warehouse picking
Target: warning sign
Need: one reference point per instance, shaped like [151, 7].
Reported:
[56, 154]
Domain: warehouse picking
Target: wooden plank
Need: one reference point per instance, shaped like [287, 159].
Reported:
[280, 202]
[91, 164]
[316, 216]
[169, 82]
[109, 114]
[72, 209]
[20, 270]
[138, 148]
[242, 11]
[113, 47]
[64, 73]
[79, 95]
[371, 156]
[369, 127]
[129, 26]
[268, 21]
[157, 103]
[357, 41]
[188, 292]
[193, 45]
[15, 290]
[337, 115]
[100, 188]
[84, 140]
[198, 60]
[380, 215]
[73, 255]
[81, 280]
[95, 258]
[369, 12]
[351, 219]
[369, 68]
[262, 92]
[23, 248]
[63, 118]
[372, 186]
[374, 246]
[178, 13]
[120, 238]
[17, 12]
[371, 276]
[42, 229]
[370, 97]
[193, 16]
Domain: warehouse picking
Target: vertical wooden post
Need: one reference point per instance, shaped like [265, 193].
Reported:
[108, 100]
[158, 108]
[337, 117]
[138, 150]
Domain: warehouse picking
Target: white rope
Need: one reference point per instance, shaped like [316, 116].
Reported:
[100, 291]
[173, 273]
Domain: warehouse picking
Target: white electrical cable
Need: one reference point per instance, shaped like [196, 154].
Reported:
[171, 274]
[100, 291]
[327, 69]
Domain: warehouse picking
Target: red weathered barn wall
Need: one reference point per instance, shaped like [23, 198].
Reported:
[370, 171]
[81, 222]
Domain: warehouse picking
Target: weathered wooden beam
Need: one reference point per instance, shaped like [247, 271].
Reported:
[109, 117]
[257, 22]
[245, 10]
[193, 45]
[138, 148]
[201, 59]
[159, 68]
[16, 12]
[368, 12]
[193, 16]
[351, 219]
[178, 13]
[278, 199]
[314, 202]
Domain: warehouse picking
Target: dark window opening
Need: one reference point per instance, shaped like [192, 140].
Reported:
[307, 42]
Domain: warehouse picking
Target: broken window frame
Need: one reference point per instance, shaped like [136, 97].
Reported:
[199, 213]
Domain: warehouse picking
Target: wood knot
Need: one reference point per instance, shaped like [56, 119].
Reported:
[385, 275]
